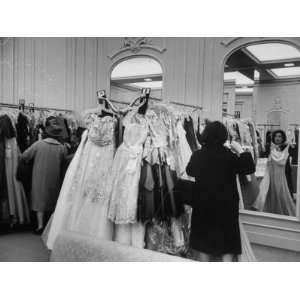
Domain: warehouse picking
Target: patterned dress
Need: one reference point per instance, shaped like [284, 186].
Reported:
[83, 200]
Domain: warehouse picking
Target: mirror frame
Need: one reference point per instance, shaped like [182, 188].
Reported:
[143, 53]
[235, 44]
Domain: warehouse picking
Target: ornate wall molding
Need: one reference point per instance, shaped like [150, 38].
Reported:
[135, 45]
[227, 42]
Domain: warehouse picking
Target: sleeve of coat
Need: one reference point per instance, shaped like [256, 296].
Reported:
[193, 165]
[29, 154]
[244, 164]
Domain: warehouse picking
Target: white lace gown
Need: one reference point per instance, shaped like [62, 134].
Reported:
[125, 177]
[83, 201]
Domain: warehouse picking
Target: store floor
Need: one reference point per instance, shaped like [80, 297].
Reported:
[22, 247]
[27, 247]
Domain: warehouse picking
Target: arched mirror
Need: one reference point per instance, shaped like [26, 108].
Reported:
[261, 104]
[130, 76]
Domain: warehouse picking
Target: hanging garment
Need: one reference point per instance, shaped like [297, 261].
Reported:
[126, 171]
[18, 206]
[188, 126]
[3, 184]
[249, 190]
[24, 175]
[183, 152]
[146, 205]
[22, 132]
[274, 195]
[125, 177]
[254, 140]
[4, 207]
[295, 152]
[48, 157]
[83, 199]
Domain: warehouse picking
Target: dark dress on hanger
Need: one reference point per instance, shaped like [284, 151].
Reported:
[188, 126]
[7, 131]
[215, 217]
[22, 127]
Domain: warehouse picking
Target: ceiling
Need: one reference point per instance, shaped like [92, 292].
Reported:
[264, 63]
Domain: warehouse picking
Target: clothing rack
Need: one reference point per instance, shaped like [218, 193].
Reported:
[187, 105]
[268, 125]
[16, 106]
[127, 103]
[230, 115]
[295, 125]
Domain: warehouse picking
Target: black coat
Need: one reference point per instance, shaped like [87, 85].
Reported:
[215, 217]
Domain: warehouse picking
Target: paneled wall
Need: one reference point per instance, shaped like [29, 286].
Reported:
[66, 72]
[289, 95]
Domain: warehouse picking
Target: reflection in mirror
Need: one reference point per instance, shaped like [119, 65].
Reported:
[130, 76]
[260, 108]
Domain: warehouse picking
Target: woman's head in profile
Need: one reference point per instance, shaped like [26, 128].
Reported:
[278, 137]
[214, 134]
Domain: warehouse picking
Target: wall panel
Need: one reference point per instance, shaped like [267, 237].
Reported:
[66, 72]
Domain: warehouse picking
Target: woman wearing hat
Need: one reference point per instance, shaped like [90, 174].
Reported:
[48, 156]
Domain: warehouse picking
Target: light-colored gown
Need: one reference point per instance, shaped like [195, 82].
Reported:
[274, 195]
[83, 200]
[125, 177]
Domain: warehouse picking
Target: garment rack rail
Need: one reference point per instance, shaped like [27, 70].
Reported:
[16, 106]
[187, 105]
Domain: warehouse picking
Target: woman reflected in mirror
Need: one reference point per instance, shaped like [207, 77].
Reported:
[276, 189]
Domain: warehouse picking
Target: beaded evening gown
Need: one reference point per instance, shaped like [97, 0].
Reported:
[83, 200]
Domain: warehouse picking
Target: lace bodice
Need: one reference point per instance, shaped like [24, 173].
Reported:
[136, 131]
[159, 133]
[101, 130]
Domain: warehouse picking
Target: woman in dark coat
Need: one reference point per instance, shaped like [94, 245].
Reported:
[48, 156]
[215, 218]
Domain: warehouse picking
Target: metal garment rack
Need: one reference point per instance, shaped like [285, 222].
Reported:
[17, 106]
[187, 105]
[127, 103]
[295, 125]
[230, 115]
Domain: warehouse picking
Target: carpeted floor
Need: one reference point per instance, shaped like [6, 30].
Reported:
[22, 247]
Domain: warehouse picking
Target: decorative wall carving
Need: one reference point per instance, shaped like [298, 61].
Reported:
[135, 45]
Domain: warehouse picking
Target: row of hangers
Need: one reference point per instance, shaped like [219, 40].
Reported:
[142, 102]
[31, 107]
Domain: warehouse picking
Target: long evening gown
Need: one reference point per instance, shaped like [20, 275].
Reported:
[83, 200]
[274, 195]
[125, 177]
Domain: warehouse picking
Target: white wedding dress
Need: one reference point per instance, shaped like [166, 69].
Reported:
[82, 205]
